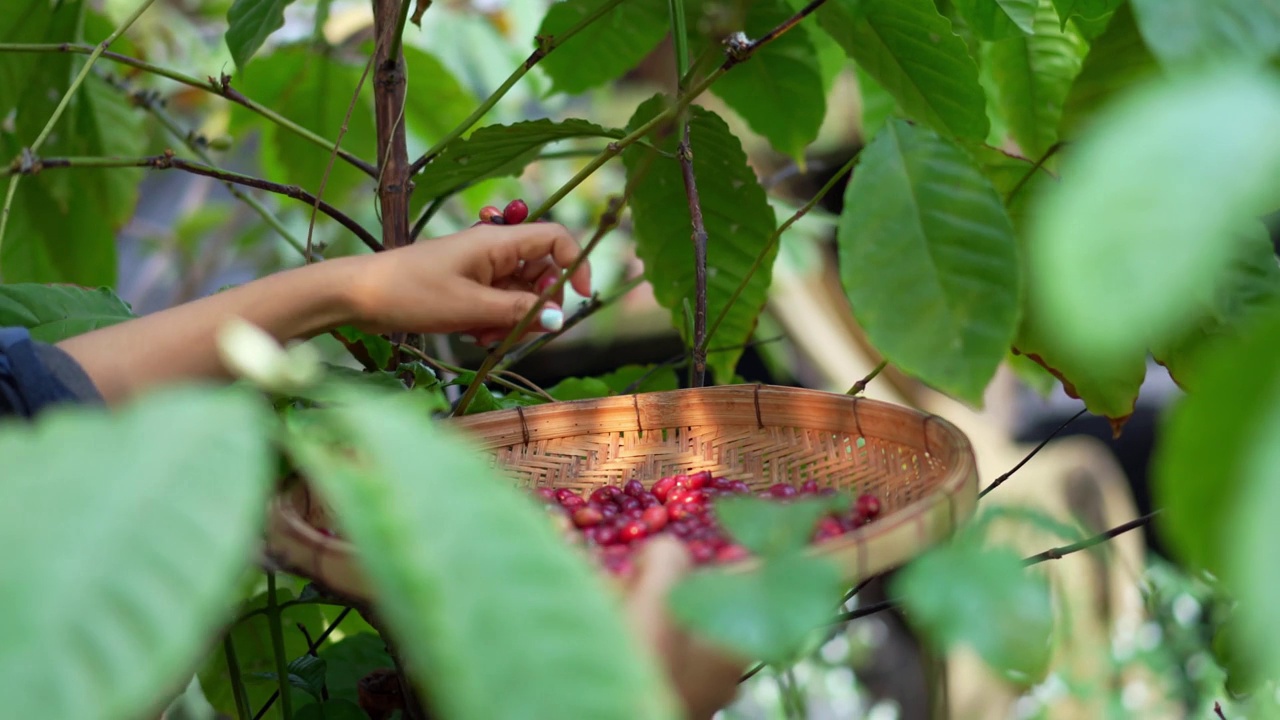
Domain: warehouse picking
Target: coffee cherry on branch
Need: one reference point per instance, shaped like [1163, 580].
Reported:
[491, 215]
[516, 212]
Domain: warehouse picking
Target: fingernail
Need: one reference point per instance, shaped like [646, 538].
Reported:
[469, 339]
[552, 319]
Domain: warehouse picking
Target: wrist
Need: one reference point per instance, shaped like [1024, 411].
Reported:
[332, 286]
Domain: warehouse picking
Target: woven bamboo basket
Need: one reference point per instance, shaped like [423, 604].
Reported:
[920, 466]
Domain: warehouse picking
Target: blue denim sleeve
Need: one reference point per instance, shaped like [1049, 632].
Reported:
[35, 376]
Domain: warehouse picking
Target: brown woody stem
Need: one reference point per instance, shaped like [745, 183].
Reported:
[699, 238]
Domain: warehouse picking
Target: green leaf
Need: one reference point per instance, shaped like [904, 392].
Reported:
[875, 104]
[497, 151]
[444, 582]
[1087, 10]
[1215, 458]
[132, 546]
[1117, 60]
[999, 19]
[1142, 226]
[739, 223]
[1187, 33]
[1251, 283]
[772, 529]
[438, 102]
[56, 312]
[929, 261]
[349, 660]
[1033, 75]
[910, 49]
[377, 348]
[579, 389]
[331, 710]
[604, 50]
[306, 673]
[650, 379]
[1110, 390]
[964, 594]
[780, 91]
[255, 653]
[767, 613]
[249, 24]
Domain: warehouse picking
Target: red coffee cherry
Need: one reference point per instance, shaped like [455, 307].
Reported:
[491, 215]
[516, 212]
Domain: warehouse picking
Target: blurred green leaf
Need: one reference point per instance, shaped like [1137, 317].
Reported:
[331, 710]
[1117, 61]
[983, 598]
[1144, 226]
[876, 104]
[498, 150]
[780, 91]
[768, 613]
[1110, 390]
[132, 546]
[911, 51]
[56, 312]
[1191, 33]
[1033, 75]
[739, 223]
[444, 582]
[438, 102]
[924, 236]
[249, 24]
[999, 19]
[377, 348]
[654, 380]
[772, 529]
[579, 389]
[1086, 10]
[607, 48]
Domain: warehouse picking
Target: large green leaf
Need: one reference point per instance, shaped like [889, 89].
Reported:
[313, 90]
[350, 659]
[1117, 60]
[56, 312]
[875, 103]
[910, 49]
[607, 48]
[473, 578]
[772, 529]
[1143, 225]
[1109, 389]
[249, 24]
[929, 260]
[1191, 32]
[738, 220]
[496, 151]
[967, 594]
[1251, 282]
[1033, 74]
[999, 19]
[255, 654]
[131, 546]
[779, 92]
[768, 613]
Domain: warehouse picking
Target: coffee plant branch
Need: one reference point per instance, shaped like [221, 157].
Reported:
[496, 376]
[588, 308]
[861, 385]
[388, 107]
[29, 164]
[220, 87]
[238, 691]
[545, 44]
[738, 51]
[776, 238]
[151, 101]
[699, 238]
[1000, 480]
[312, 647]
[328, 168]
[1035, 168]
[1056, 553]
[62, 106]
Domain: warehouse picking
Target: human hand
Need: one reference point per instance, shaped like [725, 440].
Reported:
[480, 282]
[705, 677]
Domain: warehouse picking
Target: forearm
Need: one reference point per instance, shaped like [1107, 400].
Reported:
[180, 344]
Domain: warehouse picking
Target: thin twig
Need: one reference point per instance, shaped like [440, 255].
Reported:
[311, 648]
[699, 238]
[238, 691]
[61, 107]
[861, 385]
[427, 214]
[1000, 480]
[277, 642]
[544, 47]
[1035, 168]
[1217, 710]
[328, 168]
[220, 87]
[166, 161]
[594, 304]
[1050, 554]
[495, 376]
[738, 55]
[774, 240]
[151, 101]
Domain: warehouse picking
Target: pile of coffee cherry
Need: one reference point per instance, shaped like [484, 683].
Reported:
[614, 520]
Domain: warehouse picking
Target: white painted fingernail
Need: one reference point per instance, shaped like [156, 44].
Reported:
[469, 339]
[552, 319]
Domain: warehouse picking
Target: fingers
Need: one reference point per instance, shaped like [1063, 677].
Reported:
[501, 310]
[534, 242]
